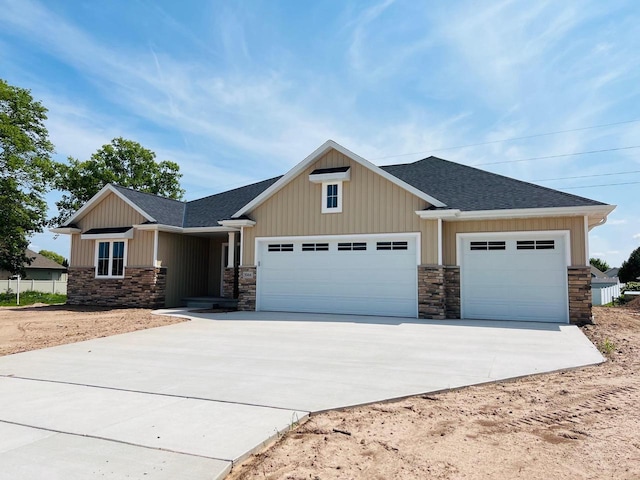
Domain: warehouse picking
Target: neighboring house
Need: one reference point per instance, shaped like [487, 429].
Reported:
[600, 279]
[338, 234]
[40, 268]
[612, 272]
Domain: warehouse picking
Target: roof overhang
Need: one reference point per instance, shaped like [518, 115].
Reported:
[106, 190]
[100, 233]
[237, 223]
[343, 176]
[65, 230]
[597, 213]
[187, 230]
[315, 155]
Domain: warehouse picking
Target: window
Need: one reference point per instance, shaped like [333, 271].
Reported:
[280, 247]
[392, 246]
[315, 247]
[499, 245]
[348, 246]
[332, 197]
[110, 259]
[536, 245]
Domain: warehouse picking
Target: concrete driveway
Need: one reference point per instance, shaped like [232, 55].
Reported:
[187, 400]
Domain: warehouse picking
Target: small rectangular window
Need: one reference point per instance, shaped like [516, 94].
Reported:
[280, 247]
[392, 246]
[315, 247]
[332, 195]
[103, 259]
[536, 244]
[494, 245]
[117, 267]
[349, 246]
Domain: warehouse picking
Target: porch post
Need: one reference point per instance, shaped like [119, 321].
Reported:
[231, 258]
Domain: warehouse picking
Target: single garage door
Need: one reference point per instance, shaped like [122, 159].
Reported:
[507, 277]
[348, 275]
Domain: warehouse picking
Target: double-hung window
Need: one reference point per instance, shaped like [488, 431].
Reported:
[332, 197]
[111, 255]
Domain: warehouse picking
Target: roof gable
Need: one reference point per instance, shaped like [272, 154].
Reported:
[317, 154]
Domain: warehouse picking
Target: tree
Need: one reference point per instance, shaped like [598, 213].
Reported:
[122, 162]
[56, 257]
[26, 172]
[599, 264]
[630, 269]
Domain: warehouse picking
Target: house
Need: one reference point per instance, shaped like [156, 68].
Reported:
[336, 233]
[600, 279]
[612, 272]
[40, 268]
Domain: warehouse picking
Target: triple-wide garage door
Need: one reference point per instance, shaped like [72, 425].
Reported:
[348, 275]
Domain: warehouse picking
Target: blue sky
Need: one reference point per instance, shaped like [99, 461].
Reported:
[236, 92]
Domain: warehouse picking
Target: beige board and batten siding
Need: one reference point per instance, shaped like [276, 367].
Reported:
[575, 225]
[186, 259]
[112, 212]
[371, 204]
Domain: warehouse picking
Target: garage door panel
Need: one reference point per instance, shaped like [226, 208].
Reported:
[371, 281]
[514, 284]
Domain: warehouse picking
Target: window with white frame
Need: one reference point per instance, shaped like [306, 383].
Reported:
[110, 258]
[332, 197]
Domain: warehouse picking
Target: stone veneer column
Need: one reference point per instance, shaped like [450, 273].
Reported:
[229, 283]
[452, 291]
[247, 288]
[142, 287]
[431, 292]
[579, 279]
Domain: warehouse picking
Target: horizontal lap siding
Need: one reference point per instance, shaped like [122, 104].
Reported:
[574, 224]
[370, 204]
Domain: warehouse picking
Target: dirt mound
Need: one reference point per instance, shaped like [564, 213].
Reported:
[634, 304]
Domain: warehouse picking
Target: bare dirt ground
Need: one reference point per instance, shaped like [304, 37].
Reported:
[40, 326]
[579, 424]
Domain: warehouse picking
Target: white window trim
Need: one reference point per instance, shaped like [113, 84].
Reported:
[326, 209]
[111, 242]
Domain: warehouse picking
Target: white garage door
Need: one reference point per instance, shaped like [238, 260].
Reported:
[349, 275]
[506, 277]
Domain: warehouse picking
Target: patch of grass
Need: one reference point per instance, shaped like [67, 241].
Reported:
[31, 297]
[607, 347]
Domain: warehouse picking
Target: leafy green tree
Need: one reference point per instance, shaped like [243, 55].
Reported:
[56, 257]
[630, 269]
[599, 264]
[122, 162]
[26, 172]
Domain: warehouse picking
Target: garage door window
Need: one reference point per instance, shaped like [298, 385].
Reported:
[315, 247]
[349, 246]
[392, 246]
[281, 247]
[498, 245]
[536, 245]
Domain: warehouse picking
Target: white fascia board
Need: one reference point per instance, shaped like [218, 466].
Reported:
[435, 214]
[210, 229]
[104, 191]
[600, 211]
[172, 229]
[107, 236]
[65, 230]
[330, 177]
[158, 227]
[317, 153]
[237, 223]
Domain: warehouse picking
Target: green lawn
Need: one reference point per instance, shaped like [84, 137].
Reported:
[31, 297]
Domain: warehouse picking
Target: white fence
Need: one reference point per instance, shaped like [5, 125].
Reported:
[45, 286]
[604, 295]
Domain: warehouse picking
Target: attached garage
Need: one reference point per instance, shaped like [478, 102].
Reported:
[514, 276]
[361, 275]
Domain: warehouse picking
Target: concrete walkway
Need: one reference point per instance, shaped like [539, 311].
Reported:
[188, 400]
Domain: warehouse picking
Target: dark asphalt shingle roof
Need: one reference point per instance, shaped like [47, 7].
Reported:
[164, 210]
[468, 189]
[206, 212]
[40, 261]
[458, 186]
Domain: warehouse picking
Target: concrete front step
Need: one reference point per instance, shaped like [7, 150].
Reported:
[211, 302]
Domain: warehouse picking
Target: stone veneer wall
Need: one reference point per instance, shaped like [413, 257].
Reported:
[247, 289]
[431, 292]
[579, 279]
[230, 283]
[142, 287]
[452, 291]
